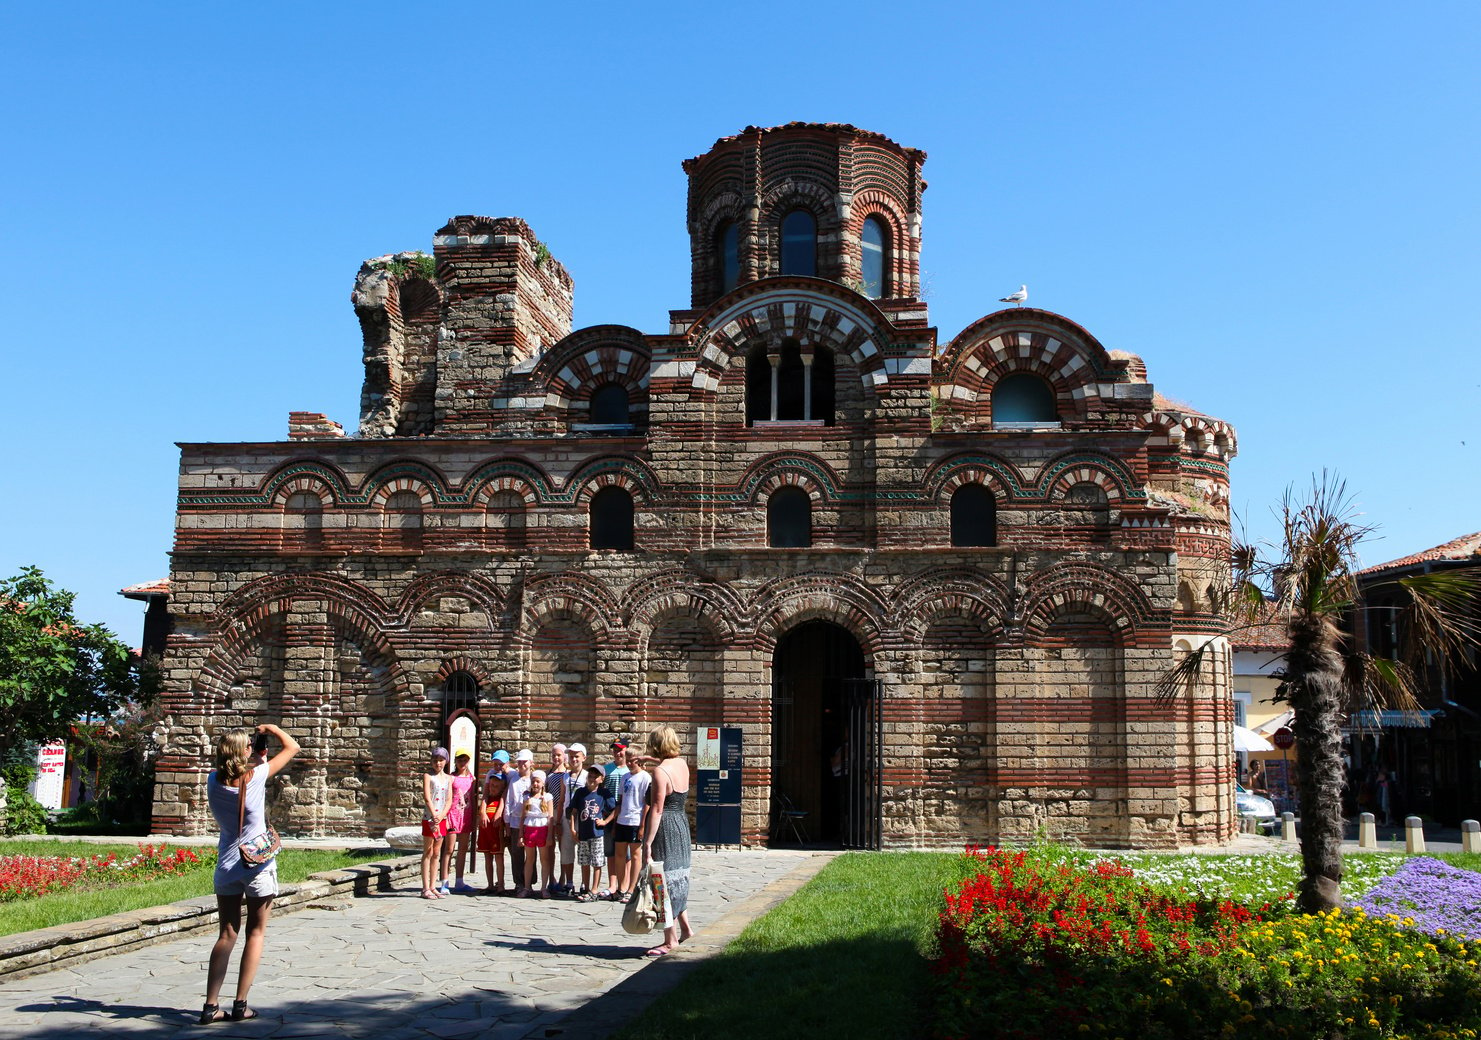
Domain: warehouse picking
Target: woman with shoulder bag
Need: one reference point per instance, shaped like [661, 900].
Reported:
[237, 793]
[666, 834]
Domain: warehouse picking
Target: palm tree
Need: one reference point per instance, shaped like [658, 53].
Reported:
[1309, 584]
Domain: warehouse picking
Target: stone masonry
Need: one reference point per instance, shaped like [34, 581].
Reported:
[1011, 531]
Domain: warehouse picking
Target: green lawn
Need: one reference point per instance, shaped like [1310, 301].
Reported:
[842, 957]
[24, 915]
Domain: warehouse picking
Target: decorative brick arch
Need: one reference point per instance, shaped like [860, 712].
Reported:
[473, 587]
[840, 598]
[526, 480]
[1024, 340]
[567, 597]
[727, 205]
[809, 310]
[316, 477]
[260, 595]
[877, 202]
[1088, 588]
[572, 369]
[792, 194]
[789, 469]
[257, 612]
[452, 665]
[999, 476]
[1109, 474]
[646, 603]
[950, 590]
[1182, 428]
[429, 485]
[613, 471]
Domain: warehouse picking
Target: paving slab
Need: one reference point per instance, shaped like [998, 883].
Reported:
[394, 966]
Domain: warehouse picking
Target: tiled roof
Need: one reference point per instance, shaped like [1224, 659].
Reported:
[157, 587]
[1458, 550]
[1268, 633]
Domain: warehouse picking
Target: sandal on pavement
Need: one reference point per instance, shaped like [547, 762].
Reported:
[240, 1012]
[584, 897]
[211, 1013]
[658, 951]
[624, 897]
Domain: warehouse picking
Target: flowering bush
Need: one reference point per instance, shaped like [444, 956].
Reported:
[1037, 944]
[1437, 897]
[25, 876]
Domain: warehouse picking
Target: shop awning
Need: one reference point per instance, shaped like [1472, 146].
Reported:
[1372, 720]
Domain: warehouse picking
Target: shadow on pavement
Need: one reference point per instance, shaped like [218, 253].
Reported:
[387, 1015]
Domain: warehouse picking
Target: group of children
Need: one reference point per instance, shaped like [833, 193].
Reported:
[588, 814]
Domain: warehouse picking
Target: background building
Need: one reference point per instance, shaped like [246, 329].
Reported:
[932, 583]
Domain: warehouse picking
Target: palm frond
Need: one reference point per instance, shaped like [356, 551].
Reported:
[1440, 617]
[1380, 684]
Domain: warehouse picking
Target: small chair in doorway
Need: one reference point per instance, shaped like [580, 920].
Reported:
[788, 820]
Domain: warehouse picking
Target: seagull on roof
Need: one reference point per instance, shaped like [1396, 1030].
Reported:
[1019, 298]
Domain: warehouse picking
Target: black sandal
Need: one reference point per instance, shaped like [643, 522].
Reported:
[240, 1012]
[211, 1014]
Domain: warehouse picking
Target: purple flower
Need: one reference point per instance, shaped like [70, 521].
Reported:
[1436, 895]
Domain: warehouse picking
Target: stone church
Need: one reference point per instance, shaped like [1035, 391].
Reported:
[933, 584]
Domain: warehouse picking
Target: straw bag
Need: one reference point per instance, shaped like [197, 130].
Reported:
[644, 912]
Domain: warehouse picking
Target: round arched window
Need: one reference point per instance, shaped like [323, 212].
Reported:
[799, 243]
[727, 250]
[609, 405]
[872, 243]
[612, 519]
[974, 516]
[789, 519]
[1023, 397]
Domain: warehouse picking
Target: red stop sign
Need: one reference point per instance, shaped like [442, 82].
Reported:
[1283, 738]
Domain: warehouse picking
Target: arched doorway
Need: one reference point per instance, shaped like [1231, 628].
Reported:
[826, 735]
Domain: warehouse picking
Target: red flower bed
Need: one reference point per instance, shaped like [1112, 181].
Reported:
[1034, 948]
[25, 876]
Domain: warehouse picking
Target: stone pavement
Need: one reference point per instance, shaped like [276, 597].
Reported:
[393, 966]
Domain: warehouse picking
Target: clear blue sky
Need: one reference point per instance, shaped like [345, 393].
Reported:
[1275, 205]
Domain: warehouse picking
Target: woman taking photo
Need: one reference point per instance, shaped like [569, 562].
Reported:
[666, 834]
[237, 793]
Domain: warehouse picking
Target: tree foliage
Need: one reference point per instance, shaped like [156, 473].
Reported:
[1308, 583]
[53, 670]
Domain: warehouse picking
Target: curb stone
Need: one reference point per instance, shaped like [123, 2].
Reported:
[66, 945]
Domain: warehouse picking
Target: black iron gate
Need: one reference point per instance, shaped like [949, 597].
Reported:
[864, 752]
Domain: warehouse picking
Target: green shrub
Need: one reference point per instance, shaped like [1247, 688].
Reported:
[23, 813]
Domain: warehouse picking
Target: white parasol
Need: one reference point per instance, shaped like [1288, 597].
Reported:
[1249, 740]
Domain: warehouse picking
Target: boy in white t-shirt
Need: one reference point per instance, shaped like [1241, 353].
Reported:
[631, 799]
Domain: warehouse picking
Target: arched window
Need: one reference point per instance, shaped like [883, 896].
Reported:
[1023, 398]
[612, 519]
[974, 516]
[758, 386]
[727, 252]
[609, 406]
[795, 385]
[799, 243]
[789, 519]
[459, 692]
[504, 522]
[404, 520]
[873, 242]
[303, 521]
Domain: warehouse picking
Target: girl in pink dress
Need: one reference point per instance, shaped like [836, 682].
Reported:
[460, 824]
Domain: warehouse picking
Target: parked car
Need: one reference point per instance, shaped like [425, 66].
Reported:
[1257, 806]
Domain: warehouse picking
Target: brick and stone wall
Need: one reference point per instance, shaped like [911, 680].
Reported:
[333, 584]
